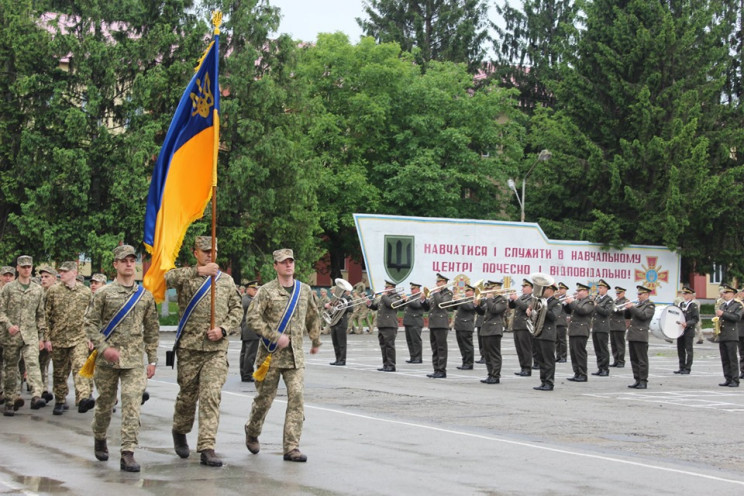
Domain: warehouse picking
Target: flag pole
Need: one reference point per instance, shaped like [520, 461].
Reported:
[216, 21]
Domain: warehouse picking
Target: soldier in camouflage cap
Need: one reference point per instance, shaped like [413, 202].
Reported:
[23, 325]
[7, 274]
[66, 304]
[97, 281]
[202, 350]
[120, 356]
[288, 360]
[48, 278]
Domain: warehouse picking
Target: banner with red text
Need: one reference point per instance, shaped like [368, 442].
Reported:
[415, 249]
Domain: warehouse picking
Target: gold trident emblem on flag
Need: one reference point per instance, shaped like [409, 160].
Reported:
[204, 100]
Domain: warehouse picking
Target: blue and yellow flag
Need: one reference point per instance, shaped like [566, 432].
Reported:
[185, 171]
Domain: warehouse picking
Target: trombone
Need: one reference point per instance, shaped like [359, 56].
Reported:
[467, 299]
[409, 298]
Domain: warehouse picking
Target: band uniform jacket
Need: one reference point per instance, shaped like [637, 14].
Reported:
[465, 316]
[387, 316]
[439, 317]
[640, 319]
[24, 308]
[414, 314]
[692, 314]
[603, 307]
[228, 308]
[520, 306]
[493, 316]
[581, 317]
[562, 318]
[343, 322]
[552, 317]
[617, 319]
[246, 333]
[732, 314]
[136, 334]
[265, 313]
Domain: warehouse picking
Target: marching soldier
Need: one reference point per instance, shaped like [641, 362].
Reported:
[464, 327]
[413, 321]
[729, 313]
[522, 336]
[494, 322]
[439, 327]
[581, 309]
[23, 325]
[48, 278]
[387, 324]
[603, 308]
[248, 337]
[66, 304]
[618, 327]
[201, 349]
[561, 343]
[122, 323]
[684, 342]
[545, 340]
[640, 319]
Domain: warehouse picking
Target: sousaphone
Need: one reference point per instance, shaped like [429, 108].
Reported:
[536, 321]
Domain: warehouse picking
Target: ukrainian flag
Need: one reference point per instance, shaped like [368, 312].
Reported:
[185, 172]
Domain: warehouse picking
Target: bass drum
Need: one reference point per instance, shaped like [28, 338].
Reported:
[665, 325]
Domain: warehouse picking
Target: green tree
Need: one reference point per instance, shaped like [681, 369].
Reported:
[444, 30]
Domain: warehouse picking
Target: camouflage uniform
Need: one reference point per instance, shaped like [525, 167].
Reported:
[289, 363]
[23, 307]
[135, 335]
[45, 358]
[202, 364]
[3, 271]
[65, 312]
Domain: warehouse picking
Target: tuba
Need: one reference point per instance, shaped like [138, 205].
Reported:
[536, 321]
[338, 307]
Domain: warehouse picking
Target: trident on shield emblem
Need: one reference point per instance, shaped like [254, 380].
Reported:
[398, 256]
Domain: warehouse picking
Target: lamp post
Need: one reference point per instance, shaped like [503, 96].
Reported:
[542, 157]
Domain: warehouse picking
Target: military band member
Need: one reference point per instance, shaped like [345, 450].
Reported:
[729, 313]
[387, 325]
[120, 356]
[413, 321]
[603, 308]
[288, 362]
[338, 330]
[202, 350]
[66, 304]
[640, 319]
[464, 327]
[740, 329]
[618, 326]
[478, 325]
[248, 337]
[522, 336]
[492, 330]
[684, 342]
[545, 340]
[561, 342]
[439, 327]
[581, 309]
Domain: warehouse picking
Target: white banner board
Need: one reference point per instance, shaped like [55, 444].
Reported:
[414, 249]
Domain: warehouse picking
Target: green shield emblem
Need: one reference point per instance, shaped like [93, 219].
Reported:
[398, 257]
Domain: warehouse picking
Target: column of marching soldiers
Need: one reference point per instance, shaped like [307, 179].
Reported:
[566, 323]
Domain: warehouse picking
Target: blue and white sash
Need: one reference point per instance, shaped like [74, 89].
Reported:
[198, 296]
[123, 311]
[286, 317]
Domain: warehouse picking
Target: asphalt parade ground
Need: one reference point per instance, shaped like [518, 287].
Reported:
[375, 433]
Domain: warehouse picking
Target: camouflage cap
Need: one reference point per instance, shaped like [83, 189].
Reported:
[65, 266]
[24, 261]
[48, 269]
[123, 251]
[204, 243]
[7, 269]
[283, 254]
[99, 278]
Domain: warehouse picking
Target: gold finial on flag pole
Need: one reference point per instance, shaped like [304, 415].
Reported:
[217, 21]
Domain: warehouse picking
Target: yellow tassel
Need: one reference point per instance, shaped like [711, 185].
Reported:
[260, 374]
[90, 366]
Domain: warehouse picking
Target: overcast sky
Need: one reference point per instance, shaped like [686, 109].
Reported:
[304, 19]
